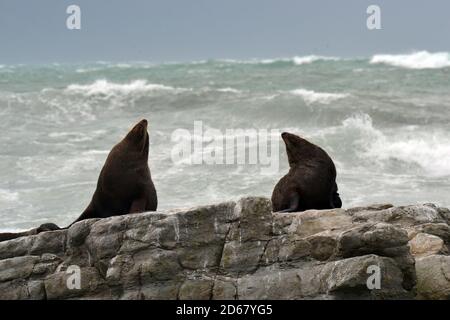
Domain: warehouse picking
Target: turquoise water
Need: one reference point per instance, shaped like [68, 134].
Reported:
[384, 120]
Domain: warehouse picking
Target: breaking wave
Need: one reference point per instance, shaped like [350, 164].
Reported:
[310, 96]
[416, 60]
[104, 87]
[428, 150]
[296, 60]
[312, 58]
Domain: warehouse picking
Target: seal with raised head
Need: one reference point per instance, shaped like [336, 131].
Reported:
[311, 180]
[125, 184]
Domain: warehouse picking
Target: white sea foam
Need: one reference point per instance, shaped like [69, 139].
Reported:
[59, 168]
[104, 87]
[229, 90]
[312, 58]
[269, 61]
[121, 65]
[195, 62]
[74, 136]
[95, 152]
[427, 149]
[416, 60]
[431, 152]
[253, 61]
[310, 96]
[360, 121]
[86, 70]
[297, 60]
[8, 196]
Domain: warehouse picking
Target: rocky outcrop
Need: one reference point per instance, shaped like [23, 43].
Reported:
[237, 251]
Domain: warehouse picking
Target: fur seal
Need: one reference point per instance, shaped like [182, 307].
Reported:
[124, 185]
[311, 180]
[43, 227]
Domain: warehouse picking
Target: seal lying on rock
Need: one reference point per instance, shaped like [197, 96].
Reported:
[43, 227]
[124, 185]
[311, 180]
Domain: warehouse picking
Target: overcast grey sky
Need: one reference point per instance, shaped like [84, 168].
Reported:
[181, 30]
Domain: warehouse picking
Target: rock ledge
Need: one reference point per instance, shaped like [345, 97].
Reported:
[237, 250]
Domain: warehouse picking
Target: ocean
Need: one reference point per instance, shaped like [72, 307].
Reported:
[383, 119]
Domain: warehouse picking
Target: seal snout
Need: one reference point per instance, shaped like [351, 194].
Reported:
[144, 122]
[291, 138]
[286, 136]
[141, 126]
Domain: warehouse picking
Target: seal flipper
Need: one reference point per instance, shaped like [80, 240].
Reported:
[294, 202]
[336, 200]
[138, 205]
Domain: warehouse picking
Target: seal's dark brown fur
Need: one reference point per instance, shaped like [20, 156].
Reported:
[125, 184]
[311, 180]
[43, 227]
